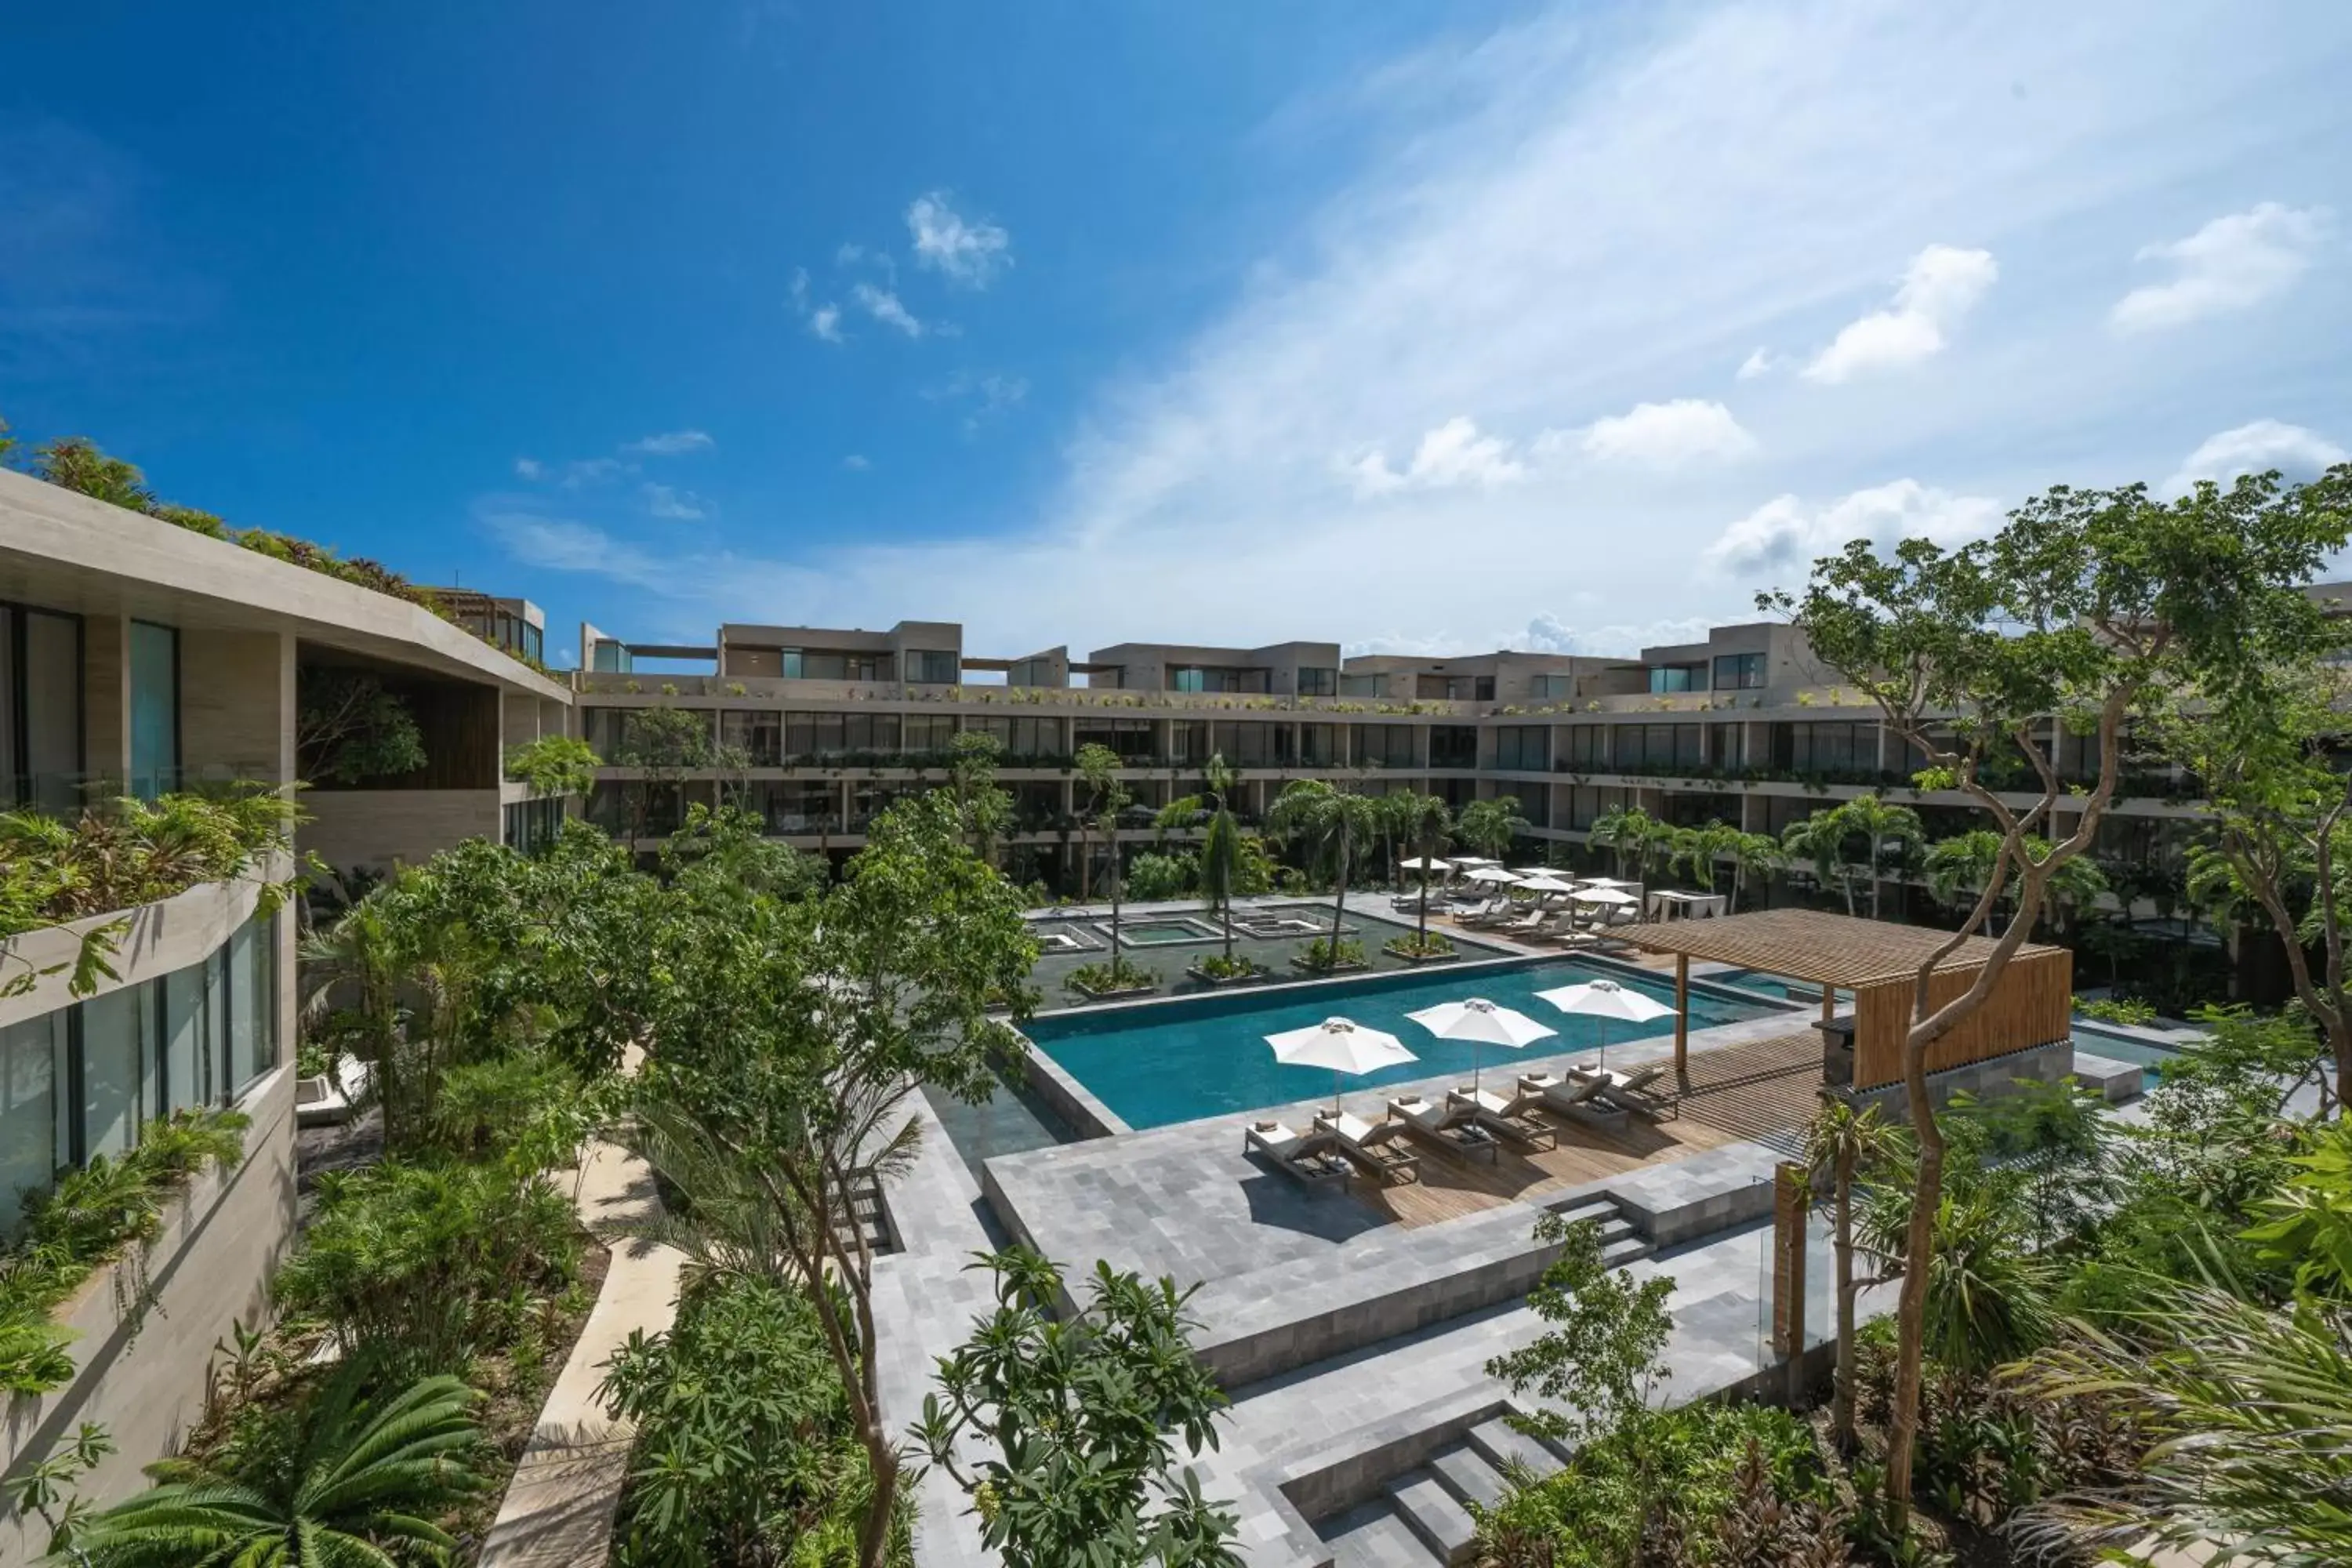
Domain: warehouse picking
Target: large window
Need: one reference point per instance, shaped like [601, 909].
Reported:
[1022, 737]
[1551, 688]
[1586, 748]
[1317, 680]
[840, 734]
[809, 664]
[1739, 671]
[118, 1038]
[929, 731]
[1834, 748]
[1130, 738]
[796, 806]
[932, 667]
[1453, 746]
[1729, 747]
[41, 708]
[1322, 745]
[1675, 676]
[1525, 746]
[605, 730]
[154, 710]
[1251, 745]
[1657, 748]
[531, 825]
[1387, 746]
[760, 735]
[33, 1139]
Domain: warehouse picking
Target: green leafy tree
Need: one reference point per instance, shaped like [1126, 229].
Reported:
[786, 1050]
[1491, 826]
[361, 1483]
[1108, 797]
[972, 759]
[1843, 1146]
[1218, 865]
[2086, 604]
[1598, 1357]
[1326, 823]
[660, 746]
[2306, 1227]
[1883, 825]
[553, 766]
[1753, 855]
[351, 727]
[1626, 832]
[1079, 1412]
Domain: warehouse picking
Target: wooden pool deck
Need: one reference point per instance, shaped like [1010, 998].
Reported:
[1764, 1090]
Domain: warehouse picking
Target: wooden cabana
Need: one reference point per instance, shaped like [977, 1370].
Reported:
[1878, 960]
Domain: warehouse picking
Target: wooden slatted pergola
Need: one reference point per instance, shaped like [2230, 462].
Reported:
[1878, 960]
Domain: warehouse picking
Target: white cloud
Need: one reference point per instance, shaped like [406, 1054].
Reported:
[848, 255]
[1784, 532]
[669, 444]
[968, 252]
[594, 471]
[857, 463]
[673, 505]
[1759, 362]
[528, 467]
[824, 322]
[884, 307]
[2255, 448]
[985, 396]
[1667, 434]
[1941, 286]
[2230, 264]
[1450, 455]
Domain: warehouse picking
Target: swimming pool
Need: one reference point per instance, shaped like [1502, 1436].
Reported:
[1176, 1061]
[2147, 1054]
[1779, 987]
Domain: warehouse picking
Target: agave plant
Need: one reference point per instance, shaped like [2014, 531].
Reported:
[360, 1485]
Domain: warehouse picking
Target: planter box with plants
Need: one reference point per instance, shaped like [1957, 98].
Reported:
[1318, 958]
[1416, 948]
[1216, 970]
[1102, 981]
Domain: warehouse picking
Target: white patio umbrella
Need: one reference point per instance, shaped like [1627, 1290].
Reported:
[1544, 882]
[1591, 895]
[1466, 862]
[1493, 874]
[1342, 1044]
[1418, 863]
[1605, 1000]
[1480, 1022]
[1607, 882]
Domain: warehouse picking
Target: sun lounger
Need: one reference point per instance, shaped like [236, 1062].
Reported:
[1573, 1099]
[1311, 1157]
[1379, 1147]
[1457, 1131]
[1634, 1092]
[1529, 924]
[1513, 1120]
[1486, 913]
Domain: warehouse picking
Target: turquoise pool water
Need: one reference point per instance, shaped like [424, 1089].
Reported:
[1176, 1061]
[1779, 987]
[2124, 1048]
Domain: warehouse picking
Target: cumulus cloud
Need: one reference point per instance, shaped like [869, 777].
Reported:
[1450, 456]
[1544, 634]
[2230, 264]
[1759, 362]
[2255, 448]
[1786, 532]
[971, 253]
[529, 467]
[673, 505]
[669, 444]
[1941, 286]
[884, 307]
[1667, 435]
[824, 320]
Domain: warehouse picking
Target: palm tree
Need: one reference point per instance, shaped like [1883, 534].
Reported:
[361, 1486]
[1696, 851]
[1489, 826]
[1843, 1144]
[1880, 823]
[353, 974]
[1820, 840]
[1958, 869]
[1221, 844]
[1425, 822]
[1327, 821]
[1752, 854]
[1108, 795]
[1624, 830]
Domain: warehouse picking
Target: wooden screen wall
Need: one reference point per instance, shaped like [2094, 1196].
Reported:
[2032, 1005]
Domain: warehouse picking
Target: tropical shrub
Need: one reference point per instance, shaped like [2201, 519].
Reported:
[1421, 945]
[744, 1452]
[1217, 966]
[425, 1264]
[526, 1109]
[1323, 954]
[553, 765]
[351, 728]
[353, 1480]
[1120, 974]
[2118, 1010]
[1154, 878]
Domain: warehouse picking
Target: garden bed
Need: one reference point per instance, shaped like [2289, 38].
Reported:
[1402, 948]
[1306, 965]
[1111, 993]
[1256, 974]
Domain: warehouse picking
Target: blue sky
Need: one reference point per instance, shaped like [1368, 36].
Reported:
[1414, 326]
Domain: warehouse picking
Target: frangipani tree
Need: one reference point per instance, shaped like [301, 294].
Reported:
[2086, 607]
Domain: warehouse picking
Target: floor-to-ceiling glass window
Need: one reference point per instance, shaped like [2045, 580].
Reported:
[118, 1039]
[154, 710]
[32, 1140]
[41, 708]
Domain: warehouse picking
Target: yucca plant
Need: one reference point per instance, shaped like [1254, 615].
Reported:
[362, 1484]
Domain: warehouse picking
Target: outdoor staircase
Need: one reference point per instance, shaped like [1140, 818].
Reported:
[1620, 1242]
[1422, 1517]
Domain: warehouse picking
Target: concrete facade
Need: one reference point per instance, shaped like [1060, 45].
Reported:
[374, 829]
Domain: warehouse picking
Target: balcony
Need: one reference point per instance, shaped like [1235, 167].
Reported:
[770, 689]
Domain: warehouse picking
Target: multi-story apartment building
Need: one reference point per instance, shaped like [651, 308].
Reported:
[140, 658]
[821, 727]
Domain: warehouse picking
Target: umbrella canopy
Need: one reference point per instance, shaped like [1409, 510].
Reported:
[1591, 895]
[1544, 882]
[1494, 874]
[1605, 999]
[1607, 882]
[1466, 861]
[1343, 1046]
[1419, 864]
[1480, 1022]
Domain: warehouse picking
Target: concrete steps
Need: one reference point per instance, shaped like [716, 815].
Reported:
[1503, 1444]
[1375, 1536]
[1432, 1511]
[1620, 1243]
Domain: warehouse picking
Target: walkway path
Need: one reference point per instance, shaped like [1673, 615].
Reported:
[558, 1511]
